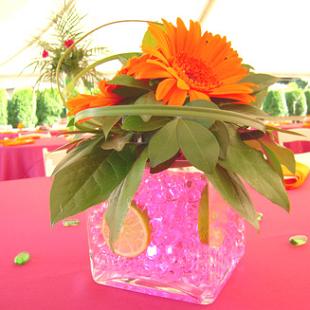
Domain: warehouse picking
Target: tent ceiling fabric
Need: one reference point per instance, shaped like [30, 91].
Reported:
[271, 35]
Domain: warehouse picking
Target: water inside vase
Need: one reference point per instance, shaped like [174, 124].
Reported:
[175, 264]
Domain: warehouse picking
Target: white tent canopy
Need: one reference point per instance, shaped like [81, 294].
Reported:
[271, 35]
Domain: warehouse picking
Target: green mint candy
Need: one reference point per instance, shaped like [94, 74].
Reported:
[298, 240]
[21, 258]
[68, 223]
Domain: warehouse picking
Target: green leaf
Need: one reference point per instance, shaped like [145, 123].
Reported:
[165, 165]
[220, 131]
[108, 123]
[261, 80]
[128, 81]
[169, 111]
[203, 104]
[163, 145]
[204, 217]
[273, 160]
[148, 98]
[135, 123]
[125, 57]
[285, 156]
[253, 168]
[120, 199]
[198, 145]
[232, 190]
[81, 150]
[244, 108]
[88, 181]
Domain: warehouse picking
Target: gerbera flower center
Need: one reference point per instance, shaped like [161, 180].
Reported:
[195, 72]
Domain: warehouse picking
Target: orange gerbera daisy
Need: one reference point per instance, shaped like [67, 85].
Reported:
[105, 98]
[191, 64]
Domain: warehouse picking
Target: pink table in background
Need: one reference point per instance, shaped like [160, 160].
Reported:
[272, 275]
[298, 146]
[25, 161]
[8, 135]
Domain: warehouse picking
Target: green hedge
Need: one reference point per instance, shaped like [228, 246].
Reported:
[274, 103]
[307, 95]
[49, 106]
[3, 107]
[22, 108]
[296, 102]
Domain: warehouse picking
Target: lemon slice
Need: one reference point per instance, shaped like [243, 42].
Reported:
[134, 237]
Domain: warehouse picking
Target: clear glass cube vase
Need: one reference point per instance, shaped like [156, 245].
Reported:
[175, 264]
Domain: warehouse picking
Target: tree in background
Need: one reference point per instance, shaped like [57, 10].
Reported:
[274, 103]
[3, 107]
[22, 108]
[296, 102]
[307, 95]
[49, 106]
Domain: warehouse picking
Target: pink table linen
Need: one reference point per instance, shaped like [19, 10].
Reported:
[8, 135]
[272, 275]
[298, 146]
[26, 161]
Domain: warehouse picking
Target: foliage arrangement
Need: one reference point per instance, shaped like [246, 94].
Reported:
[275, 104]
[3, 107]
[66, 32]
[49, 106]
[186, 96]
[22, 108]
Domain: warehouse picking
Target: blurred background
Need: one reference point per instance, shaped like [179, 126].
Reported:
[270, 35]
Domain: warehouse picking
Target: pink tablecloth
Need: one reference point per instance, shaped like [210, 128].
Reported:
[272, 275]
[8, 135]
[25, 161]
[298, 146]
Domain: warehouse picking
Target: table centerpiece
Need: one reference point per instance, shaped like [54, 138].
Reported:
[172, 139]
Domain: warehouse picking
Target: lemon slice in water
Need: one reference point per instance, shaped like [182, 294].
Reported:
[134, 237]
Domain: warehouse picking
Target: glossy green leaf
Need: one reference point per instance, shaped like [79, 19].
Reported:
[203, 104]
[128, 81]
[244, 108]
[204, 217]
[83, 149]
[148, 98]
[253, 168]
[198, 145]
[187, 112]
[163, 145]
[88, 181]
[107, 124]
[123, 58]
[121, 197]
[273, 160]
[135, 123]
[261, 80]
[232, 190]
[220, 131]
[285, 156]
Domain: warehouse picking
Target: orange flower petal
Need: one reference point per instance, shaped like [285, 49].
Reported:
[164, 87]
[177, 97]
[196, 95]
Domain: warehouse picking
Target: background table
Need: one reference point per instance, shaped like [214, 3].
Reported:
[298, 146]
[26, 160]
[272, 275]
